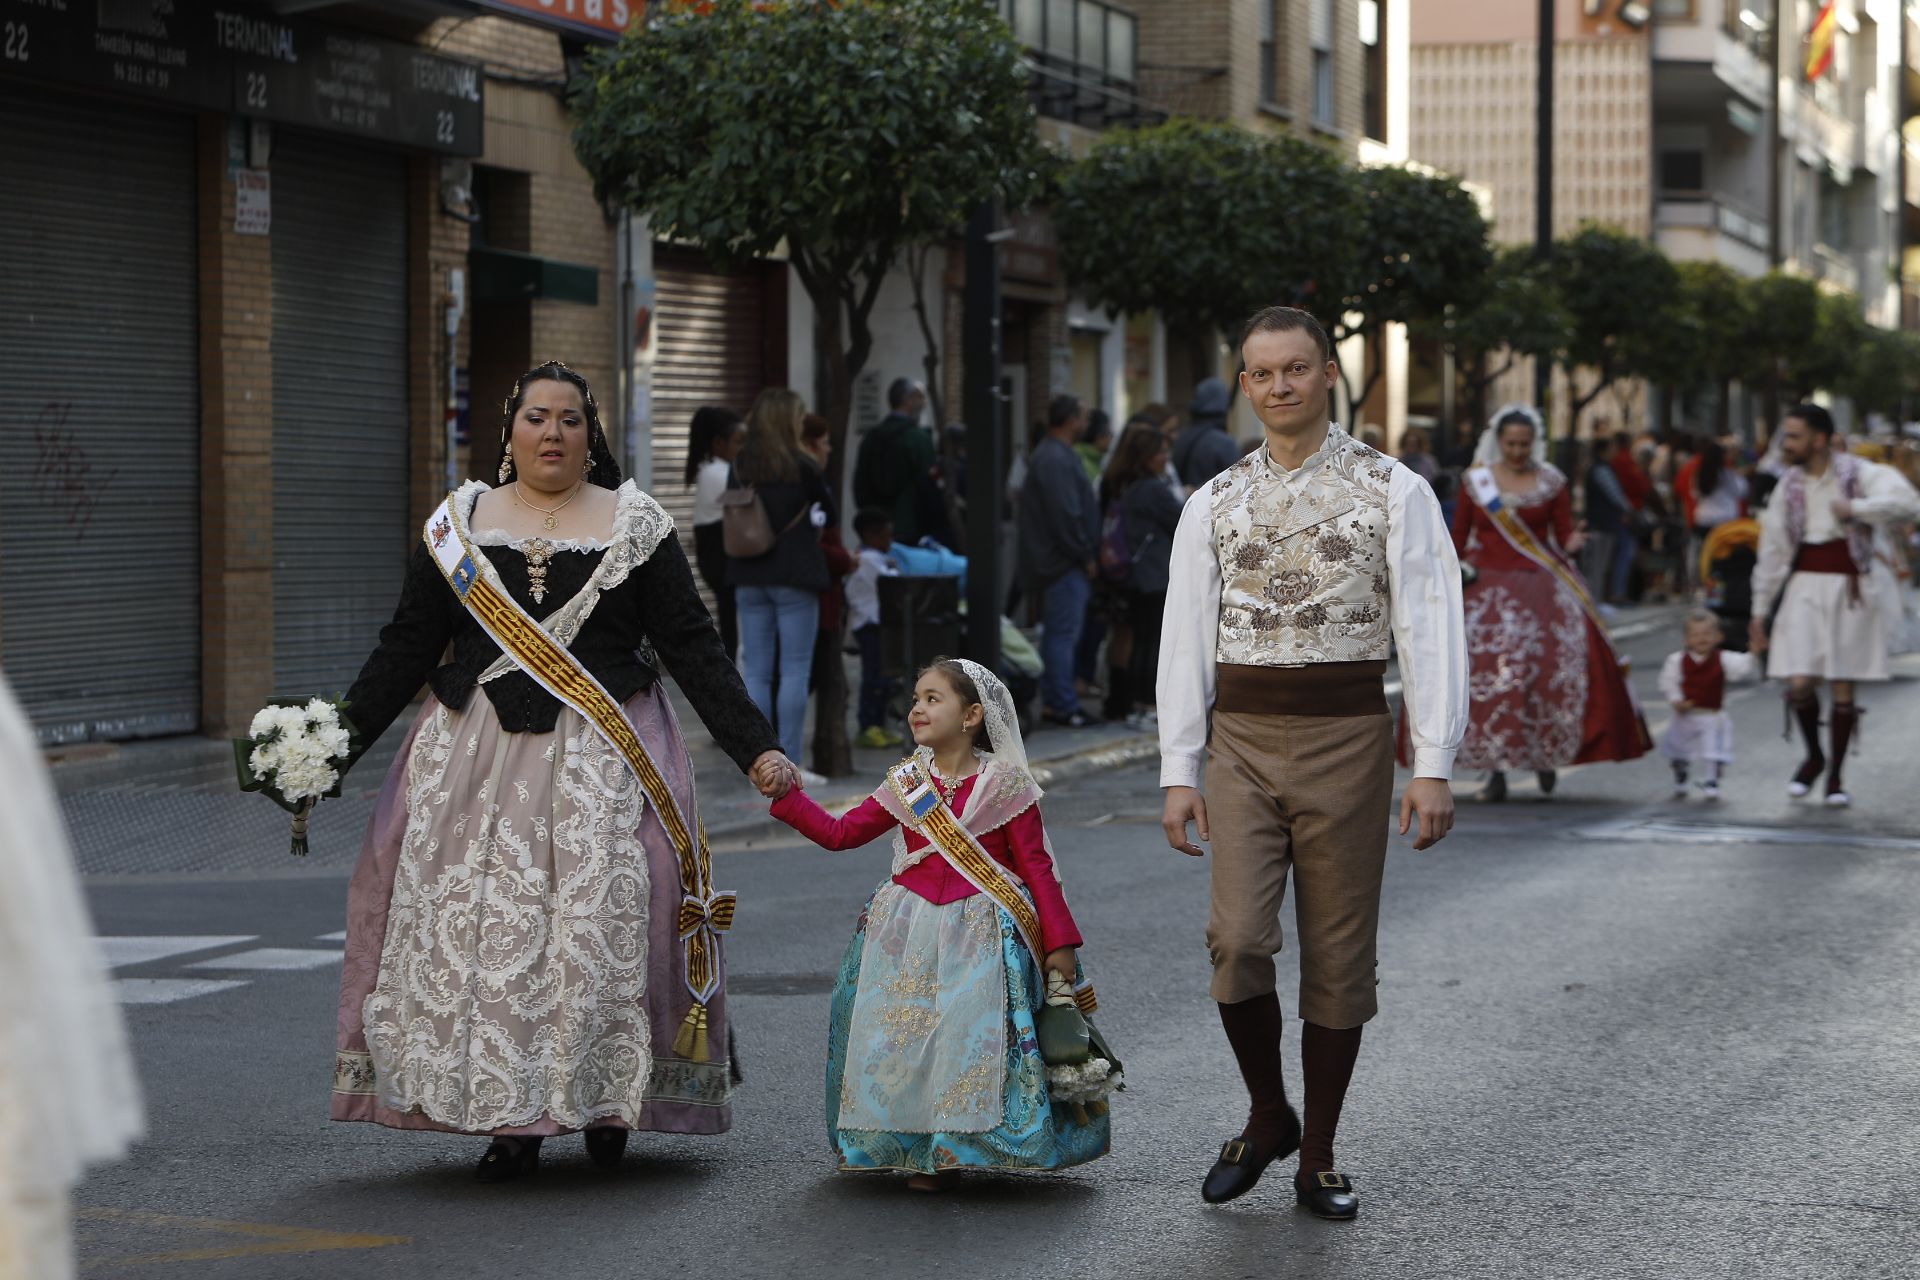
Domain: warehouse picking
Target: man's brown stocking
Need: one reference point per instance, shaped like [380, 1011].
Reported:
[1253, 1029]
[1327, 1055]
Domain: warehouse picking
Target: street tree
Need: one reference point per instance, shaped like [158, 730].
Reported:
[1207, 223]
[1885, 377]
[847, 132]
[1423, 250]
[1517, 314]
[1825, 362]
[1614, 287]
[1699, 340]
[1782, 312]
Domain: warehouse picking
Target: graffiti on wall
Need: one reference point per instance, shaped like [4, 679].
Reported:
[64, 473]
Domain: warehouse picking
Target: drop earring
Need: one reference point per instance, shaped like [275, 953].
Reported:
[506, 465]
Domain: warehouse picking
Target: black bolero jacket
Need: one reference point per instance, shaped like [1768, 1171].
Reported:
[654, 608]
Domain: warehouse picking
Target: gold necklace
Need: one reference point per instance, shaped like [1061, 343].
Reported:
[549, 522]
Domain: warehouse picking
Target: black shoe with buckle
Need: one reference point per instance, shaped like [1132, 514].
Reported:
[1326, 1194]
[1240, 1166]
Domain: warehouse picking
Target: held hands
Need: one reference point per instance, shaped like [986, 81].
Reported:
[1757, 635]
[1184, 804]
[774, 774]
[1578, 539]
[1683, 706]
[1432, 799]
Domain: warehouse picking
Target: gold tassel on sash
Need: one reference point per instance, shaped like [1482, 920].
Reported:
[691, 1043]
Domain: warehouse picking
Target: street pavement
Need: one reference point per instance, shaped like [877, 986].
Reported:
[1621, 1036]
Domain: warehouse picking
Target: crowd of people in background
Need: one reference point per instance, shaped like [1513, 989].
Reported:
[1636, 518]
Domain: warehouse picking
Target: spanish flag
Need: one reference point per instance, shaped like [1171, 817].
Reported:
[1820, 40]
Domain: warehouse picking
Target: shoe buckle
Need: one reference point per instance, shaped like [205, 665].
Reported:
[1334, 1181]
[1235, 1151]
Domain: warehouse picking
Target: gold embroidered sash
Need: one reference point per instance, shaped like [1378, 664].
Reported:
[1486, 492]
[924, 810]
[704, 912]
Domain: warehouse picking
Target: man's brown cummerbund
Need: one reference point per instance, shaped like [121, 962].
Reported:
[1317, 689]
[1825, 557]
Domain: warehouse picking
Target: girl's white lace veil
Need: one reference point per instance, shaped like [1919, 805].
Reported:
[1003, 719]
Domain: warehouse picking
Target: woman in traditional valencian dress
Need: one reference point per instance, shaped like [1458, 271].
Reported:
[1547, 688]
[533, 930]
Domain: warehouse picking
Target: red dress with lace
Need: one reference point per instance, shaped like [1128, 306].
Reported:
[1545, 687]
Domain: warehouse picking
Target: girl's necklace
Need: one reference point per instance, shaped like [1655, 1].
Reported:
[549, 522]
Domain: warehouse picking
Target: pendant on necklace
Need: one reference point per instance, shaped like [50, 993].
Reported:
[549, 522]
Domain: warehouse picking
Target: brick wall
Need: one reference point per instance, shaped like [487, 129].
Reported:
[236, 449]
[1203, 57]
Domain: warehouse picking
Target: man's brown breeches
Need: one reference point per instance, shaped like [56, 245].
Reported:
[1310, 794]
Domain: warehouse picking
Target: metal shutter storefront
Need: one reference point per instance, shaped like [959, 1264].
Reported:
[99, 354]
[341, 532]
[712, 350]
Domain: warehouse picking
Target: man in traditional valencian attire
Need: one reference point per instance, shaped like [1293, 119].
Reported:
[1293, 573]
[1816, 558]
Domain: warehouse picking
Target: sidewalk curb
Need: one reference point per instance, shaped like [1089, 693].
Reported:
[1114, 753]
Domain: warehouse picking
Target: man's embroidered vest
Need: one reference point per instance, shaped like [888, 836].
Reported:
[1304, 573]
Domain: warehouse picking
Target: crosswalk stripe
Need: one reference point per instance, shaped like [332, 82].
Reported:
[167, 990]
[332, 937]
[122, 952]
[271, 958]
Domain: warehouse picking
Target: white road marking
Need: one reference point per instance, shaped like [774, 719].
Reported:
[167, 990]
[1659, 831]
[122, 952]
[270, 958]
[332, 937]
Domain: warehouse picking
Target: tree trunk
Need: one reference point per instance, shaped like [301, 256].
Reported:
[917, 259]
[832, 748]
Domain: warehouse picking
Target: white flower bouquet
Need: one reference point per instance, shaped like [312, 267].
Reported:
[291, 755]
[1090, 1081]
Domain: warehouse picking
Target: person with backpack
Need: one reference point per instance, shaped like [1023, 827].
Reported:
[895, 470]
[1135, 547]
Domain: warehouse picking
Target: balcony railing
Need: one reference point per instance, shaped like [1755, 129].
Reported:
[1085, 56]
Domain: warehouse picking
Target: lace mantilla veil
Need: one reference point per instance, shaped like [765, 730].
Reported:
[1006, 787]
[1486, 451]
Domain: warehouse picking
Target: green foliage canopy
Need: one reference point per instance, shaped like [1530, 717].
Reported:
[1423, 250]
[846, 131]
[1613, 286]
[1207, 223]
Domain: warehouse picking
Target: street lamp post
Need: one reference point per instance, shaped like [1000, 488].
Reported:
[986, 464]
[1543, 184]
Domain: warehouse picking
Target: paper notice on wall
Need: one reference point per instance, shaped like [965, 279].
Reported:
[252, 202]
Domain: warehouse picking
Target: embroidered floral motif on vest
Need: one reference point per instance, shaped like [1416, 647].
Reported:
[1304, 568]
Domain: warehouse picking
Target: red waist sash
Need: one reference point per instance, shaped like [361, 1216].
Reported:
[1825, 557]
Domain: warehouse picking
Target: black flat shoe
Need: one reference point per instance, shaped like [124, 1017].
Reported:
[1495, 791]
[1326, 1195]
[606, 1145]
[507, 1159]
[1547, 778]
[1239, 1168]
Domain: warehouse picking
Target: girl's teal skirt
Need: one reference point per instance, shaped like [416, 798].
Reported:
[1032, 1131]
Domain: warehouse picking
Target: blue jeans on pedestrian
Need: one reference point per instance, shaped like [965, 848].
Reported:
[873, 685]
[1626, 546]
[1063, 612]
[777, 629]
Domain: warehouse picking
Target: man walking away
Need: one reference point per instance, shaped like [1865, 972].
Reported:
[1059, 533]
[1205, 447]
[896, 464]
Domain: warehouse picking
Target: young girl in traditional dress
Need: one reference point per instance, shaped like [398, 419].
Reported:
[934, 1063]
[1694, 682]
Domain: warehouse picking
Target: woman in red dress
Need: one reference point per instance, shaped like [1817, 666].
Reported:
[1547, 688]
